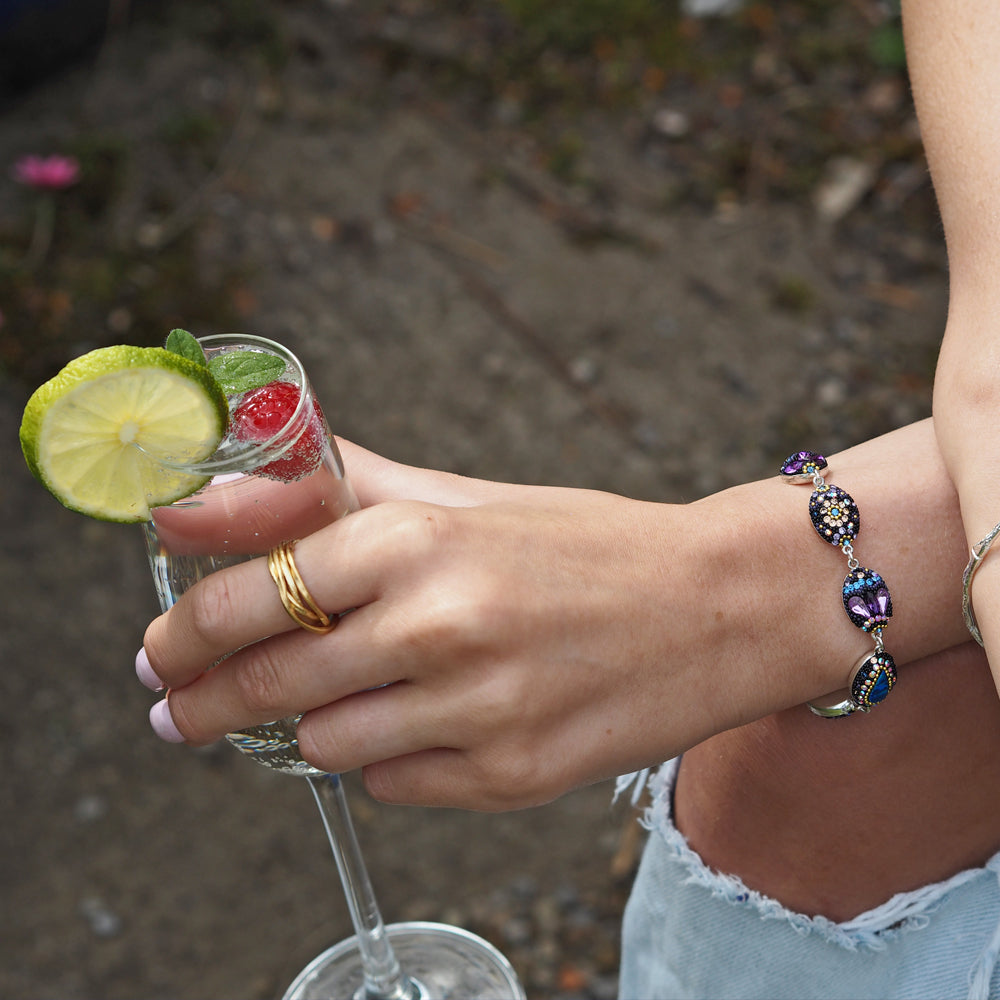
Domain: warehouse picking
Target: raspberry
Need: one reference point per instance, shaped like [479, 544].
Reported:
[263, 412]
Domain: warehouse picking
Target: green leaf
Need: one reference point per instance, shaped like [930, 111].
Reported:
[241, 371]
[183, 343]
[887, 47]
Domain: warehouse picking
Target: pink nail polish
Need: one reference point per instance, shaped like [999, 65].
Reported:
[145, 672]
[163, 723]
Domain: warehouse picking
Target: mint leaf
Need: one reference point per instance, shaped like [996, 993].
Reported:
[241, 371]
[183, 343]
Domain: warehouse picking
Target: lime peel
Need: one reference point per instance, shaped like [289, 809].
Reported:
[97, 434]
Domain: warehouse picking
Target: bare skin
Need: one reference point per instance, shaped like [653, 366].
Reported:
[953, 56]
[786, 801]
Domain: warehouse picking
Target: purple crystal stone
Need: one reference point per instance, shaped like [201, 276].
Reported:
[867, 600]
[801, 466]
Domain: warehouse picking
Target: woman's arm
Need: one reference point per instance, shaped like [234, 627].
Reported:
[953, 51]
[535, 639]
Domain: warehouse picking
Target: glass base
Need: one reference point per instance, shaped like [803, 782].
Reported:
[443, 962]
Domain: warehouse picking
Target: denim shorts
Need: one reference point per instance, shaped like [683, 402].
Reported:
[692, 932]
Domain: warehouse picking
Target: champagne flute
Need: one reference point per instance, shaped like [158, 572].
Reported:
[257, 496]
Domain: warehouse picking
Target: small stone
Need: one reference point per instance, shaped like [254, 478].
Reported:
[149, 235]
[524, 887]
[845, 182]
[120, 320]
[102, 920]
[603, 987]
[831, 393]
[710, 8]
[517, 931]
[583, 370]
[90, 808]
[546, 916]
[573, 979]
[670, 123]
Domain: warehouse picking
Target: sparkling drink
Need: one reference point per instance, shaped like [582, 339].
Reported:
[260, 493]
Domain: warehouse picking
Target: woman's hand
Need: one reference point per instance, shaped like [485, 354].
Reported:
[499, 654]
[508, 643]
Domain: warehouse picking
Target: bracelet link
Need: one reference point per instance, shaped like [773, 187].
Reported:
[866, 598]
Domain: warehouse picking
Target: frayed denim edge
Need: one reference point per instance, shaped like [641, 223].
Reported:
[906, 911]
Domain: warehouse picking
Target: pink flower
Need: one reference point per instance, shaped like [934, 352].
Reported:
[46, 173]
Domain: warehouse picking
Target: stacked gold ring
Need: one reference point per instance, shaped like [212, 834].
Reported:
[298, 602]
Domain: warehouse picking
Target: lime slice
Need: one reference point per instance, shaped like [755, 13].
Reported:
[95, 435]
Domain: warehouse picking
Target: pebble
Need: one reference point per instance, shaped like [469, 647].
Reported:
[831, 393]
[103, 921]
[671, 123]
[710, 8]
[845, 182]
[538, 927]
[89, 808]
[584, 370]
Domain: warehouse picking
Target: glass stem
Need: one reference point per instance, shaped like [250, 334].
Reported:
[384, 980]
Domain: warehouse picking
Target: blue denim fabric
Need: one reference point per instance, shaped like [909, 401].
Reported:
[693, 933]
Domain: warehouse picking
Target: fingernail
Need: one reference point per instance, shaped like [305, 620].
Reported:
[145, 672]
[163, 723]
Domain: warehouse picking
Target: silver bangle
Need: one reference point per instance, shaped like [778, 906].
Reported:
[978, 555]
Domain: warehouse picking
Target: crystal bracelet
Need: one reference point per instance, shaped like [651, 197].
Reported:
[836, 518]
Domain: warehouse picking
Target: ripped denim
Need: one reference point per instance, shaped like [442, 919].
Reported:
[690, 932]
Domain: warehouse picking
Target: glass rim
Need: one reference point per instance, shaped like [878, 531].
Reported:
[237, 458]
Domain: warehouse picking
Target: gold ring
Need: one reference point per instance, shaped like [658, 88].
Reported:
[298, 602]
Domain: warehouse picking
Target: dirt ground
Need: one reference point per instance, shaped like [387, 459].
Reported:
[534, 293]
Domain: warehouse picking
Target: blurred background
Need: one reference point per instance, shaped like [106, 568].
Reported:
[648, 247]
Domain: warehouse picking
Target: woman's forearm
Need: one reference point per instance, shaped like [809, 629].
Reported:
[781, 586]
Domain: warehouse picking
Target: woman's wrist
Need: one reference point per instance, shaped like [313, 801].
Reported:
[780, 621]
[777, 619]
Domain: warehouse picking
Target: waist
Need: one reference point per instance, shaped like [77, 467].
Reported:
[833, 816]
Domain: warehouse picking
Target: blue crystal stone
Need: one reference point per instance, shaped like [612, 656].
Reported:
[874, 680]
[801, 466]
[867, 600]
[834, 515]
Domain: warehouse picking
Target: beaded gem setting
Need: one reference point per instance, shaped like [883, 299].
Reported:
[866, 599]
[874, 680]
[834, 515]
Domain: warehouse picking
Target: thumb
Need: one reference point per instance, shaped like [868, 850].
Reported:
[376, 480]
